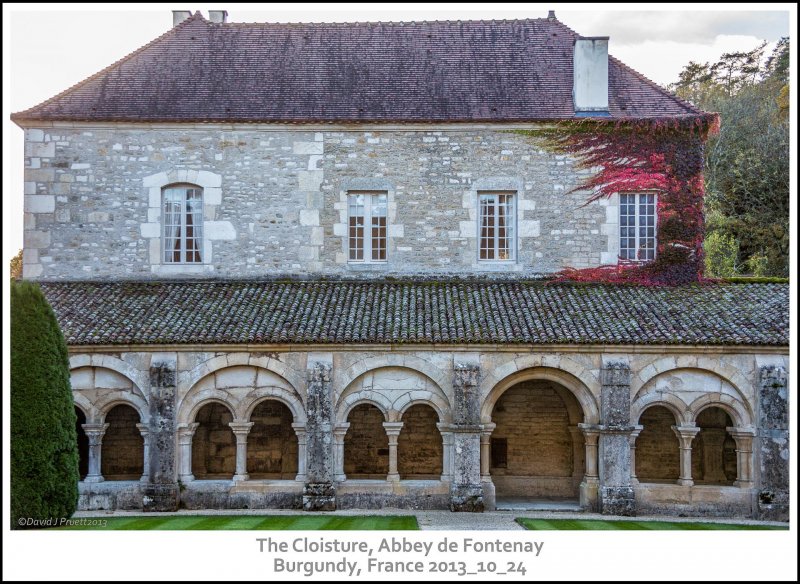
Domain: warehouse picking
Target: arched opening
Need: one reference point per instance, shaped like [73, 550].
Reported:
[419, 446]
[658, 455]
[537, 450]
[214, 444]
[83, 444]
[714, 449]
[123, 446]
[272, 442]
[366, 445]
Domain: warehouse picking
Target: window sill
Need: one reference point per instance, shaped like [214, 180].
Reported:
[181, 269]
[367, 266]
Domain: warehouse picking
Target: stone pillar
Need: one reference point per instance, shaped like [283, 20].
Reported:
[616, 493]
[319, 492]
[185, 435]
[744, 456]
[144, 430]
[590, 486]
[339, 432]
[447, 451]
[773, 440]
[95, 433]
[393, 432]
[161, 493]
[466, 492]
[300, 430]
[241, 430]
[632, 442]
[685, 436]
[486, 451]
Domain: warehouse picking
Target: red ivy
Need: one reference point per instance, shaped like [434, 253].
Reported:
[663, 155]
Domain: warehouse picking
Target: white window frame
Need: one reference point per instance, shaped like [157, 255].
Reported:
[166, 253]
[511, 227]
[367, 249]
[637, 225]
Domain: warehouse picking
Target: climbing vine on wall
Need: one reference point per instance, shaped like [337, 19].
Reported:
[662, 155]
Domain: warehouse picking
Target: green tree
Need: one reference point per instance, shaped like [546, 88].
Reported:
[721, 251]
[16, 266]
[44, 447]
[747, 163]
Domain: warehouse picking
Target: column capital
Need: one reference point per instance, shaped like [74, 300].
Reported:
[591, 432]
[393, 428]
[95, 433]
[144, 429]
[686, 434]
[341, 429]
[239, 427]
[186, 431]
[741, 432]
[444, 428]
[635, 433]
[487, 429]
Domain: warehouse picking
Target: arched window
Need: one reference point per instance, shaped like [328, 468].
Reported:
[183, 224]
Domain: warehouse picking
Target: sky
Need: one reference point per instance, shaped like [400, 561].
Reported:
[48, 48]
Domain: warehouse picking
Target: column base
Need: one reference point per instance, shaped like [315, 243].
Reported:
[186, 478]
[160, 497]
[617, 501]
[393, 478]
[685, 482]
[144, 479]
[319, 497]
[489, 496]
[743, 484]
[237, 478]
[93, 479]
[588, 493]
[467, 498]
[301, 478]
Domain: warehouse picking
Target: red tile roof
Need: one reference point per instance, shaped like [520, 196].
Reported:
[470, 71]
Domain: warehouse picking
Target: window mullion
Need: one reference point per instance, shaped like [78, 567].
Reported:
[367, 228]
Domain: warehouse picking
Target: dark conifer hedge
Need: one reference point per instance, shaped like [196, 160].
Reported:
[44, 451]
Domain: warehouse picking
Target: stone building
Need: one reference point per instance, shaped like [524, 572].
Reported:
[306, 266]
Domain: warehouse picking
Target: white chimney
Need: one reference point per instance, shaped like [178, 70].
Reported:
[179, 16]
[218, 16]
[590, 74]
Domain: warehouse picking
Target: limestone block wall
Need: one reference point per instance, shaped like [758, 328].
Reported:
[275, 201]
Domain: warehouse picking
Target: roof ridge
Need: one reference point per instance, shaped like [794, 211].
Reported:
[193, 18]
[383, 22]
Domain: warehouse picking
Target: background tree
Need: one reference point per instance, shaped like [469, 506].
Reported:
[44, 446]
[16, 266]
[747, 163]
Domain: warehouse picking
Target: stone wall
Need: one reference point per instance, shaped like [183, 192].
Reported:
[545, 402]
[657, 447]
[275, 201]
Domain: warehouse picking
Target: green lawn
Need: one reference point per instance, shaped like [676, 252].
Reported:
[272, 522]
[596, 524]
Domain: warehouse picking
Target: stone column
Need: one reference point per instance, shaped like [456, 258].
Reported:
[339, 433]
[300, 430]
[319, 492]
[486, 451]
[744, 456]
[632, 441]
[685, 436]
[144, 430]
[447, 451]
[241, 430]
[185, 435]
[590, 485]
[95, 433]
[161, 493]
[466, 492]
[616, 493]
[393, 432]
[772, 447]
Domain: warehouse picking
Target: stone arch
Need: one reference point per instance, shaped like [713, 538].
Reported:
[366, 443]
[239, 384]
[672, 402]
[694, 386]
[714, 456]
[191, 378]
[109, 401]
[198, 405]
[213, 443]
[138, 378]
[412, 362]
[420, 451]
[735, 409]
[581, 392]
[89, 411]
[657, 448]
[727, 373]
[393, 389]
[272, 444]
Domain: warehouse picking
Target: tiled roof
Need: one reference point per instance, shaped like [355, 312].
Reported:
[465, 312]
[478, 71]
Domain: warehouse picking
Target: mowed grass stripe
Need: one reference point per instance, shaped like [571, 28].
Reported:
[625, 525]
[256, 522]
